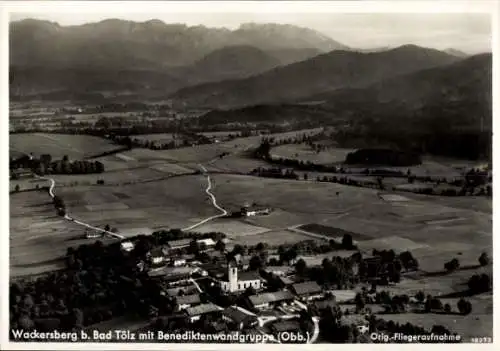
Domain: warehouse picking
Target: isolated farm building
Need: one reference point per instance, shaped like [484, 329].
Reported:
[194, 313]
[239, 319]
[307, 290]
[186, 301]
[248, 211]
[233, 281]
[285, 326]
[267, 300]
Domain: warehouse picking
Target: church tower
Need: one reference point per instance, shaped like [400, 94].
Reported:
[232, 276]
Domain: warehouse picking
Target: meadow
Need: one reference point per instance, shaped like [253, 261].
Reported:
[75, 147]
[146, 190]
[431, 165]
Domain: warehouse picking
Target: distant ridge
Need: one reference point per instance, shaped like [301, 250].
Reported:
[330, 71]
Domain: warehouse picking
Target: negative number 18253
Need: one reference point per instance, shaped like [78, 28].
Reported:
[481, 340]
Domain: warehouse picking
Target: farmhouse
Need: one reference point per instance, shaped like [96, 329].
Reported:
[183, 243]
[178, 261]
[307, 290]
[194, 313]
[172, 274]
[267, 300]
[179, 244]
[209, 242]
[280, 271]
[343, 295]
[239, 319]
[285, 282]
[127, 246]
[184, 290]
[93, 234]
[187, 301]
[248, 211]
[233, 282]
[158, 255]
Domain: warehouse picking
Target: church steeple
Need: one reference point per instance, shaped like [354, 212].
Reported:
[232, 276]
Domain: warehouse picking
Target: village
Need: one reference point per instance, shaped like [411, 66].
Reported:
[202, 283]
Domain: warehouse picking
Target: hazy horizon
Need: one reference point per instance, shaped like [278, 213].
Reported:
[470, 33]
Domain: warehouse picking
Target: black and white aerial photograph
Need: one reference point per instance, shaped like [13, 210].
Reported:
[192, 174]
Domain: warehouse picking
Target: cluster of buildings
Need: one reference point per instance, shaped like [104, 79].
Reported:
[184, 281]
[224, 291]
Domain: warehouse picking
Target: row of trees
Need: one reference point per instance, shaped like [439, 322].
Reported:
[385, 266]
[468, 184]
[46, 165]
[73, 167]
[275, 173]
[185, 141]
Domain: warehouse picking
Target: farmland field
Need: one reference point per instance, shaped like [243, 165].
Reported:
[431, 165]
[305, 153]
[146, 190]
[39, 238]
[334, 233]
[232, 228]
[160, 137]
[272, 238]
[58, 145]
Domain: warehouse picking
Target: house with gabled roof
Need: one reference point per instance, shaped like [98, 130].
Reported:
[194, 313]
[307, 290]
[187, 301]
[270, 299]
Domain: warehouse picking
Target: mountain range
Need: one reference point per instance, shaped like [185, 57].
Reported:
[208, 67]
[148, 45]
[338, 69]
[468, 80]
[89, 57]
[461, 86]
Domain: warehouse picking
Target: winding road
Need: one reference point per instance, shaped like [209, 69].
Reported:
[222, 213]
[71, 219]
[214, 202]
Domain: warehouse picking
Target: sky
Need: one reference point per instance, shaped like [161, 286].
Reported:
[468, 32]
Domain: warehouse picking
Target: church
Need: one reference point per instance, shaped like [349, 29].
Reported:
[233, 281]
